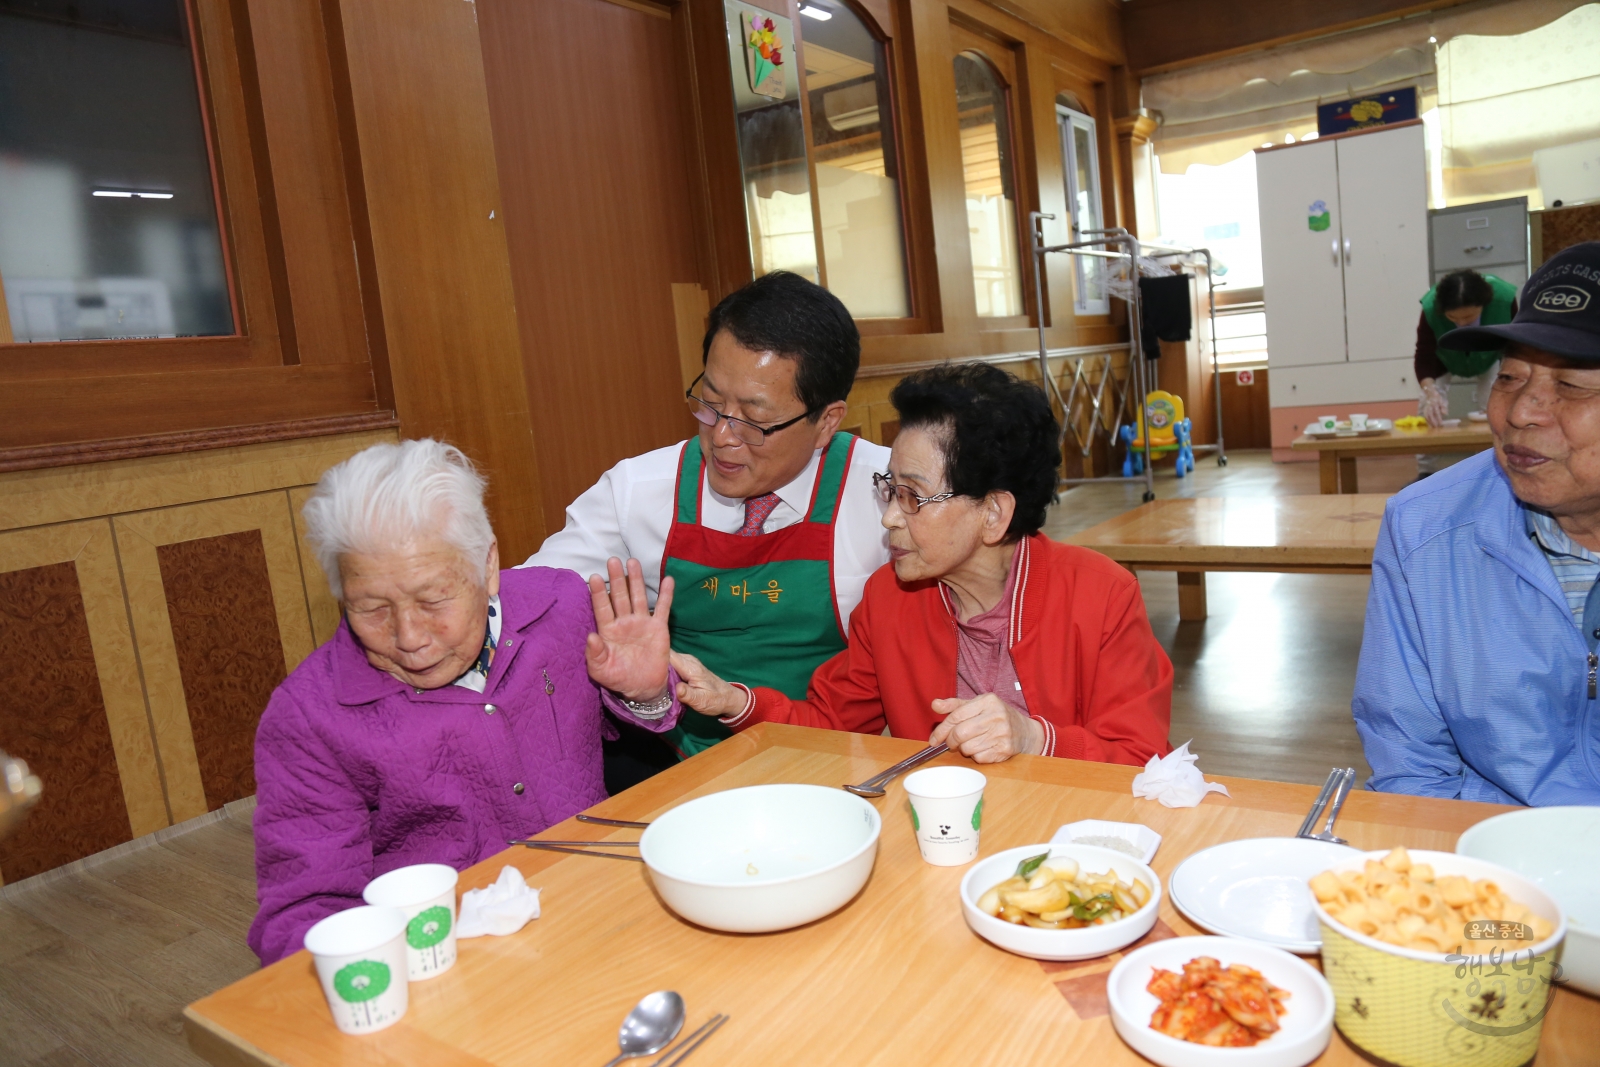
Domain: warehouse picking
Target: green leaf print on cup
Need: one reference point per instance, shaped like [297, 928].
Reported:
[916, 823]
[361, 981]
[429, 927]
[977, 815]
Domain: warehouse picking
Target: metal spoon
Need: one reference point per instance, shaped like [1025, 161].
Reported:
[876, 786]
[650, 1026]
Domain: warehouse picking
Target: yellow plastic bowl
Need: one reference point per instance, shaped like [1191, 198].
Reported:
[1427, 1009]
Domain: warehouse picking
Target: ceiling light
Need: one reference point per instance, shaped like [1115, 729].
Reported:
[1288, 138]
[1267, 145]
[1433, 40]
[132, 194]
[1312, 136]
[815, 12]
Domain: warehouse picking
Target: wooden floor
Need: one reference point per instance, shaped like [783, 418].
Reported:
[1263, 685]
[97, 961]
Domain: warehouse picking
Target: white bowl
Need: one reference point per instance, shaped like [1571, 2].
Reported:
[1143, 839]
[1557, 849]
[1082, 944]
[768, 857]
[1304, 1030]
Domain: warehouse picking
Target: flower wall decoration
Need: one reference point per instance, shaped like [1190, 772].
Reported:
[763, 53]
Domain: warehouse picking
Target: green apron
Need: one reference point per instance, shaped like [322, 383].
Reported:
[1497, 313]
[757, 610]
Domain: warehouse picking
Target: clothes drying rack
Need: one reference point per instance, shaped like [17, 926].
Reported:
[1085, 398]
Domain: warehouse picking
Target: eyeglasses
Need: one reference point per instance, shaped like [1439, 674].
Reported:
[903, 495]
[748, 432]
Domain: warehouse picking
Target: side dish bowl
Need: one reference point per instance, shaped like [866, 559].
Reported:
[763, 858]
[1081, 944]
[1304, 1029]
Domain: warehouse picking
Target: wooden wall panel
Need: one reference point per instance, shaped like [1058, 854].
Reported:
[54, 719]
[116, 700]
[324, 611]
[225, 632]
[585, 95]
[428, 162]
[139, 538]
[63, 494]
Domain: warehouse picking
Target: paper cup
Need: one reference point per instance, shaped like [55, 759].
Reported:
[361, 959]
[947, 813]
[1358, 421]
[1327, 423]
[426, 893]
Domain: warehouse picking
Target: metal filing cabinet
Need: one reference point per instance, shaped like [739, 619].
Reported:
[1490, 238]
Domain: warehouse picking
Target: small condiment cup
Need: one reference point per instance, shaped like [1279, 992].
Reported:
[946, 813]
[360, 955]
[426, 894]
[1358, 422]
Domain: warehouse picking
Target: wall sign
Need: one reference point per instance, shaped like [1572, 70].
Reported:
[1245, 377]
[1365, 112]
[763, 55]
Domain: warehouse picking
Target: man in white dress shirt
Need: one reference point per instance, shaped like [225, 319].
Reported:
[768, 521]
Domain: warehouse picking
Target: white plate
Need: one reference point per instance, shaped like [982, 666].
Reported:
[1136, 834]
[1303, 1031]
[1256, 889]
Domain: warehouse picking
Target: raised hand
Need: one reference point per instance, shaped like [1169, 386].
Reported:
[702, 690]
[986, 729]
[627, 653]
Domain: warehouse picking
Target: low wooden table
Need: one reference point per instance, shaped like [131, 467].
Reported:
[894, 978]
[1337, 455]
[1295, 534]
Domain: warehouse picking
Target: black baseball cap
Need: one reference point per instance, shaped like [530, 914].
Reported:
[1558, 310]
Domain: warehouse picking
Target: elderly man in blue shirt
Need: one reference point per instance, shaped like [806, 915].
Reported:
[1480, 660]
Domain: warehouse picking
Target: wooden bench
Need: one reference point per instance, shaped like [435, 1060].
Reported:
[1288, 534]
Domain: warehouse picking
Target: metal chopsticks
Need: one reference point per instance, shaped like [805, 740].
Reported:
[548, 847]
[1335, 789]
[1320, 803]
[689, 1044]
[612, 822]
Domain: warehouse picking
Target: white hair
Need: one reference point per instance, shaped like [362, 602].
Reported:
[388, 495]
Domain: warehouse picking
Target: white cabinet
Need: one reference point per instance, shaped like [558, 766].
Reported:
[1344, 256]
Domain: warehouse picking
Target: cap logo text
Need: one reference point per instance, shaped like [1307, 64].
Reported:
[1560, 298]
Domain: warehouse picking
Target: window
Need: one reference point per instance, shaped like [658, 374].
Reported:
[988, 165]
[108, 210]
[817, 147]
[1080, 161]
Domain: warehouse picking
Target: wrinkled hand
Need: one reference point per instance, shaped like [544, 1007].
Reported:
[985, 729]
[1435, 406]
[702, 690]
[627, 653]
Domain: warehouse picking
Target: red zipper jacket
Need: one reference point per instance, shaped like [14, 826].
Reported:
[1090, 667]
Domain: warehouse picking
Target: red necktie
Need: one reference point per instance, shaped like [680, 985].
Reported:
[756, 511]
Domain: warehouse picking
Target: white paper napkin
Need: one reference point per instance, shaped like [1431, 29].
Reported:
[1175, 780]
[499, 909]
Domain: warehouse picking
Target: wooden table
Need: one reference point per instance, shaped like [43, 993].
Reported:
[894, 978]
[1337, 455]
[1295, 534]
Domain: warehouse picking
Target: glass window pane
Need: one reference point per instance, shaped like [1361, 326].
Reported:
[858, 179]
[991, 190]
[108, 224]
[1083, 195]
[772, 141]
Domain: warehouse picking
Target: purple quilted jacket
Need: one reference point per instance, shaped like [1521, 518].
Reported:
[358, 773]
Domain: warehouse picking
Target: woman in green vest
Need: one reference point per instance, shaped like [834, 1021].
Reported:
[1462, 298]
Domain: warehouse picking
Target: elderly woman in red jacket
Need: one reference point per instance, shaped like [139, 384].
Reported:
[981, 633]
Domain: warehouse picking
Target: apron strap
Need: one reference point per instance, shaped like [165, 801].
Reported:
[830, 479]
[688, 492]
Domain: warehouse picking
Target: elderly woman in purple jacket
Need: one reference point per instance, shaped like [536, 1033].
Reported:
[458, 706]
